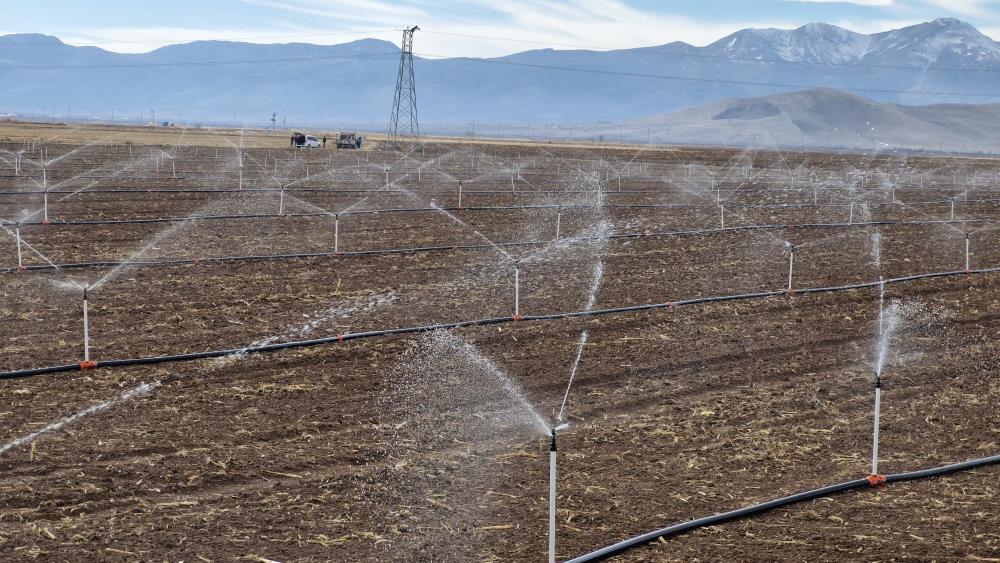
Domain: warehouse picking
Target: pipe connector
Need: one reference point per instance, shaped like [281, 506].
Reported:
[876, 479]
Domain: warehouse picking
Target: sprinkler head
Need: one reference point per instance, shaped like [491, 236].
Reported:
[552, 445]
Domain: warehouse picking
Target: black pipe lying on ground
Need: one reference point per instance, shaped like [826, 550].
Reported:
[16, 374]
[683, 527]
[447, 248]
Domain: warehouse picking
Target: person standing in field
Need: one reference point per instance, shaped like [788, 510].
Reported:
[324, 141]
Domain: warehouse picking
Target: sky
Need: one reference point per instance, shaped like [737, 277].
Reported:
[473, 28]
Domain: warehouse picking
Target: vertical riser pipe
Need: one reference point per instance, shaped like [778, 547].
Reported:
[86, 328]
[552, 501]
[17, 235]
[791, 267]
[878, 409]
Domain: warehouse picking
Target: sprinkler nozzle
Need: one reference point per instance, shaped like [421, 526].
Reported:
[85, 288]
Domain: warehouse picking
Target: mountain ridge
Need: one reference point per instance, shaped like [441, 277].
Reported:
[944, 60]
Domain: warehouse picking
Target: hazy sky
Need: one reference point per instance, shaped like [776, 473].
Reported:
[466, 28]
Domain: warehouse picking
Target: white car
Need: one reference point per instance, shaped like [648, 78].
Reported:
[310, 142]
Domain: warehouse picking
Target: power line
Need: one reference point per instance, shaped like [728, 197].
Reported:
[710, 80]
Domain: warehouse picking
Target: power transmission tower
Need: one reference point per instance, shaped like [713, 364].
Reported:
[404, 103]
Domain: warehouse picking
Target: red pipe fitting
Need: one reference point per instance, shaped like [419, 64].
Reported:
[876, 479]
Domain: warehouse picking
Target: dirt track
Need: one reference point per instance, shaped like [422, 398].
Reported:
[387, 449]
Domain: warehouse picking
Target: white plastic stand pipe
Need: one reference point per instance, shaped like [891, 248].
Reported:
[17, 235]
[878, 409]
[517, 289]
[791, 265]
[86, 327]
[336, 233]
[558, 224]
[552, 499]
[967, 268]
[460, 194]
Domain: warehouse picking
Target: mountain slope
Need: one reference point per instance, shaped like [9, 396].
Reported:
[819, 118]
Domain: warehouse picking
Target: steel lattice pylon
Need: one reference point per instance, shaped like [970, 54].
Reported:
[404, 103]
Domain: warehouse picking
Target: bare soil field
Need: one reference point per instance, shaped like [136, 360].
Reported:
[421, 447]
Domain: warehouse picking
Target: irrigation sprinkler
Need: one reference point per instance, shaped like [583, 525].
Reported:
[878, 377]
[791, 264]
[459, 194]
[952, 210]
[17, 235]
[86, 327]
[386, 170]
[281, 201]
[850, 215]
[722, 216]
[558, 224]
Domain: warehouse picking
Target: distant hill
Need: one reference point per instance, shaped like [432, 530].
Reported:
[817, 118]
[935, 62]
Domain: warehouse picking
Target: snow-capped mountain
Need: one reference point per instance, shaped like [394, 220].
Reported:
[944, 60]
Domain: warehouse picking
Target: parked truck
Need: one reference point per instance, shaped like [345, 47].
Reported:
[350, 141]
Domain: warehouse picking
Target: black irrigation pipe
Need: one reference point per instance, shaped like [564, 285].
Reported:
[486, 208]
[17, 374]
[453, 247]
[753, 510]
[482, 208]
